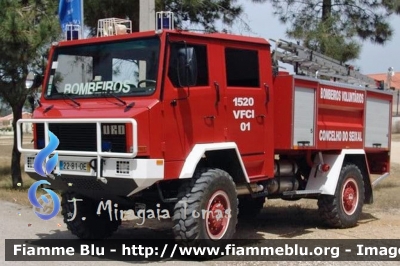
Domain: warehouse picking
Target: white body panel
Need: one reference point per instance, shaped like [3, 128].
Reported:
[198, 152]
[145, 172]
[377, 123]
[304, 116]
[326, 182]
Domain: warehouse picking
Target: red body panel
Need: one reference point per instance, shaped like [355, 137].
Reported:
[340, 119]
[283, 124]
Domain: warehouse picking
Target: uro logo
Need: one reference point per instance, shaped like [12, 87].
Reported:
[50, 205]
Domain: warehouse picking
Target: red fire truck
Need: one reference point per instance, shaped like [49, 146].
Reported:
[202, 128]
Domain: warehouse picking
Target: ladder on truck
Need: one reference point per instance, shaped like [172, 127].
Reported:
[311, 63]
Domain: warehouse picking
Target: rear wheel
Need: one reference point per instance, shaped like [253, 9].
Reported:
[344, 208]
[207, 208]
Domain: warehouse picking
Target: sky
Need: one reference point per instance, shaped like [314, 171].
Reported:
[373, 58]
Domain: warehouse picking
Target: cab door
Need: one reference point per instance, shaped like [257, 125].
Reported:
[247, 107]
[189, 112]
[245, 98]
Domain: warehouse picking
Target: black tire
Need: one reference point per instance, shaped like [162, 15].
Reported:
[87, 224]
[250, 207]
[344, 208]
[208, 189]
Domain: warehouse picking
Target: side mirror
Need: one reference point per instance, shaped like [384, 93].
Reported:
[33, 80]
[31, 101]
[187, 67]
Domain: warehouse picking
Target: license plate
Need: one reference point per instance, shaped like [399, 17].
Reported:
[74, 166]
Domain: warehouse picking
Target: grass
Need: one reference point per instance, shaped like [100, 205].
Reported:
[20, 195]
[7, 192]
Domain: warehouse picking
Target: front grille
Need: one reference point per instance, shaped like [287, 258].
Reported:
[79, 137]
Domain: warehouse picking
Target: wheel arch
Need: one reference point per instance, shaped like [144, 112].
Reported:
[326, 182]
[224, 156]
[361, 162]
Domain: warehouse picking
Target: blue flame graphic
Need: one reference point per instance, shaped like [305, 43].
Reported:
[46, 151]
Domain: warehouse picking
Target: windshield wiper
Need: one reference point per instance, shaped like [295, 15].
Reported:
[116, 97]
[70, 98]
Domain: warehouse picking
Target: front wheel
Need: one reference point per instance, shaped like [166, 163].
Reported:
[80, 215]
[207, 208]
[344, 208]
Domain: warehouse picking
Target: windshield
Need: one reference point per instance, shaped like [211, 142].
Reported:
[127, 68]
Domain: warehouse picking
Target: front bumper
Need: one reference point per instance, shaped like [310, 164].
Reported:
[119, 177]
[113, 173]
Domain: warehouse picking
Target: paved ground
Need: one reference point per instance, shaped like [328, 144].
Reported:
[19, 222]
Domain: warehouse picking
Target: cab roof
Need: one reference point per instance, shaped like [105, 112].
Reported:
[217, 36]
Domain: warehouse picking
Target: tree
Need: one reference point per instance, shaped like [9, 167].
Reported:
[199, 12]
[25, 27]
[333, 27]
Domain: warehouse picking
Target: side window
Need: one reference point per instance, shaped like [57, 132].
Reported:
[202, 63]
[242, 69]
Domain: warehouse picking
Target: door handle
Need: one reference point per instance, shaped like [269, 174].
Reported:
[266, 88]
[216, 85]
